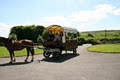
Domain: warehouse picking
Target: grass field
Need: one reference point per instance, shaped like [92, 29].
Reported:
[4, 52]
[107, 48]
[98, 35]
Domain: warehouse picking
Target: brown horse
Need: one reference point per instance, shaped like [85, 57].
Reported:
[13, 45]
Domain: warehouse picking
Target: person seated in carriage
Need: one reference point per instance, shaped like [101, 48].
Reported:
[51, 36]
[57, 38]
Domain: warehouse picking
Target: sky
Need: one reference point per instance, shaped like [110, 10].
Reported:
[84, 15]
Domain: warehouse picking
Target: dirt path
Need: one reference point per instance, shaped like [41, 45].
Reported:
[85, 66]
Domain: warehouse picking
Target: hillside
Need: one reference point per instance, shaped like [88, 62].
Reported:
[111, 35]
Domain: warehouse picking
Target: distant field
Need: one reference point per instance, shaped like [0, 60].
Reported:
[98, 35]
[107, 48]
[4, 52]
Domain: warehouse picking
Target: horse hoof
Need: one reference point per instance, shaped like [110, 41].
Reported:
[26, 61]
[14, 60]
[10, 62]
[32, 60]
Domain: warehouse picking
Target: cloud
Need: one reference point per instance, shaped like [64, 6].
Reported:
[60, 20]
[4, 29]
[116, 12]
[85, 18]
[106, 8]
[80, 20]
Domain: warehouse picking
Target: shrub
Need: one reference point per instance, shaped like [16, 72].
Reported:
[1, 43]
[90, 41]
[13, 36]
[81, 41]
[45, 35]
[90, 35]
[40, 39]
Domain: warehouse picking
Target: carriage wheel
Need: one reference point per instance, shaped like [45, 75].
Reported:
[74, 51]
[56, 55]
[46, 54]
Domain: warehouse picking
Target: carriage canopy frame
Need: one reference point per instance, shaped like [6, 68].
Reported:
[58, 29]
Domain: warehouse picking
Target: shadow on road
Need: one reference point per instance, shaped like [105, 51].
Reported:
[62, 58]
[16, 63]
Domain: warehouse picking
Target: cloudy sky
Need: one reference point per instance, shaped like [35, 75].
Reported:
[85, 15]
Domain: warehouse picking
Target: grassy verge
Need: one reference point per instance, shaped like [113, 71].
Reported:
[4, 52]
[98, 35]
[107, 48]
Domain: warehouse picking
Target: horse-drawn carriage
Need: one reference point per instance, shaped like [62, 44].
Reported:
[60, 38]
[67, 41]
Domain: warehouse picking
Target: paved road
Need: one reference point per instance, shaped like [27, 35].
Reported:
[85, 66]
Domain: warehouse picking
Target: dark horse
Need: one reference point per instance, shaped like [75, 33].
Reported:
[13, 45]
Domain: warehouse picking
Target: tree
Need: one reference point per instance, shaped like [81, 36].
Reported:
[30, 32]
[18, 30]
[39, 29]
[13, 36]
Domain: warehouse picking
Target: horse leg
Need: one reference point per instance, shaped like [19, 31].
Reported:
[27, 54]
[11, 56]
[14, 59]
[32, 53]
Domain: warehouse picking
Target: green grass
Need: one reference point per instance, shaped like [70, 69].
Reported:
[107, 48]
[4, 52]
[98, 35]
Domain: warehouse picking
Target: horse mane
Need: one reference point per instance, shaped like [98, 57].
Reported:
[2, 38]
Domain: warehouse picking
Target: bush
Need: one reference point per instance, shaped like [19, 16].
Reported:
[90, 41]
[115, 40]
[13, 36]
[1, 44]
[45, 35]
[90, 35]
[40, 39]
[81, 41]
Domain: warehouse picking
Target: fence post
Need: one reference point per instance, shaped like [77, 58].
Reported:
[105, 36]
